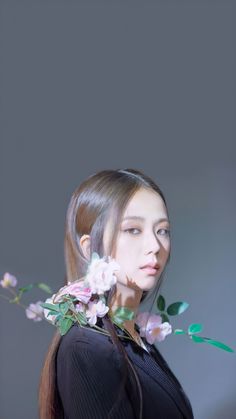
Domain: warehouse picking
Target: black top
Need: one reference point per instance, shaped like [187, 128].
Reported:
[89, 375]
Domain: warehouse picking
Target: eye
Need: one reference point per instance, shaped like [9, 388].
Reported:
[131, 231]
[166, 231]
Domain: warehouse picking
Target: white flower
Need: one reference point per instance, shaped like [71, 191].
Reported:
[79, 307]
[100, 275]
[34, 311]
[52, 317]
[95, 308]
[8, 280]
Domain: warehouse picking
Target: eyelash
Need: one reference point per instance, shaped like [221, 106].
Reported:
[131, 229]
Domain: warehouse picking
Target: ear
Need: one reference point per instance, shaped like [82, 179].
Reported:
[85, 245]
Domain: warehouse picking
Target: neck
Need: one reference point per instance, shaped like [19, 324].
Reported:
[128, 298]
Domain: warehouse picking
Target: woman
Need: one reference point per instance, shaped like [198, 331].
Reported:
[89, 375]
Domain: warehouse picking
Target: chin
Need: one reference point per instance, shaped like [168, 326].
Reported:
[144, 284]
[148, 286]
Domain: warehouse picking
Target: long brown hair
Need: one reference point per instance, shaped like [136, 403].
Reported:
[102, 196]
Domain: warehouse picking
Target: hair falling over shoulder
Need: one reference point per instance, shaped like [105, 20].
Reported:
[101, 196]
[49, 400]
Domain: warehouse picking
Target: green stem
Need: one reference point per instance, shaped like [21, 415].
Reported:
[13, 292]
[21, 305]
[100, 330]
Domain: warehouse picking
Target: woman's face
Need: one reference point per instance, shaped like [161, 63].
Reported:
[143, 238]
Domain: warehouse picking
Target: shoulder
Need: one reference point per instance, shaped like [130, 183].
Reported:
[85, 336]
[86, 346]
[89, 377]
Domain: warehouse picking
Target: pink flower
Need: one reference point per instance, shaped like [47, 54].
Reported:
[77, 289]
[152, 328]
[100, 275]
[95, 308]
[34, 311]
[8, 280]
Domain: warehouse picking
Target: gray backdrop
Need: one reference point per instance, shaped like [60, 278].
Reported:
[114, 84]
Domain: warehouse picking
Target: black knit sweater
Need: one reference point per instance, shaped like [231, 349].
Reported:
[89, 375]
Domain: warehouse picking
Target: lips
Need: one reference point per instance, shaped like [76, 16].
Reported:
[150, 268]
[153, 265]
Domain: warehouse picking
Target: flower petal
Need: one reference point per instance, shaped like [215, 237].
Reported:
[154, 321]
[34, 311]
[8, 280]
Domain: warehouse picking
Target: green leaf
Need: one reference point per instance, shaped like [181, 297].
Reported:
[195, 328]
[218, 344]
[164, 317]
[64, 325]
[53, 307]
[177, 308]
[82, 318]
[44, 287]
[124, 313]
[121, 314]
[58, 318]
[197, 339]
[179, 332]
[64, 307]
[161, 303]
[51, 313]
[26, 288]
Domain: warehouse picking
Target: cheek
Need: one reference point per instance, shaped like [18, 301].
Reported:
[126, 251]
[125, 257]
[121, 250]
[167, 247]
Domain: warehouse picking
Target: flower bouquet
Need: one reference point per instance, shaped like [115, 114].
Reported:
[84, 300]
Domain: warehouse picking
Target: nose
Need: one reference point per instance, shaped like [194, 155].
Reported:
[152, 244]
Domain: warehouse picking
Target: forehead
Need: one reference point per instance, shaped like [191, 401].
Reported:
[147, 204]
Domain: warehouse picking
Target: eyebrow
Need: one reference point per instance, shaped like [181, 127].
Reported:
[136, 217]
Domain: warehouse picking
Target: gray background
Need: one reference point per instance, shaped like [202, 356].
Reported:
[114, 84]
